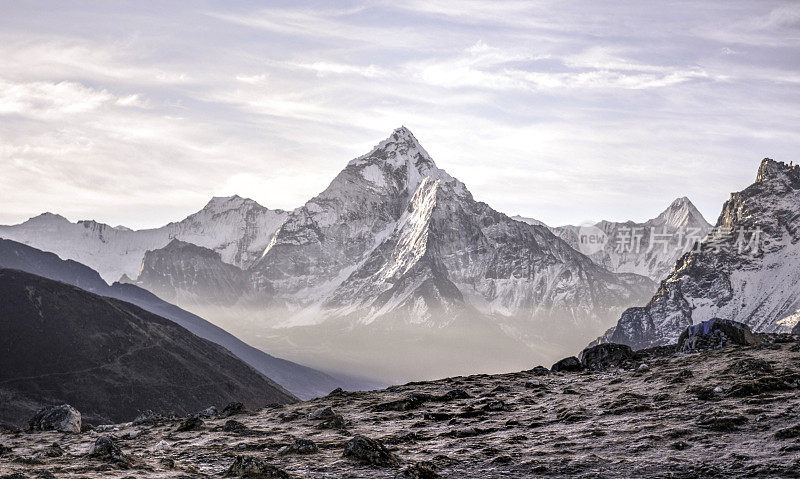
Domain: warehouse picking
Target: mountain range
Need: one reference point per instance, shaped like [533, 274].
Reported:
[395, 253]
[745, 269]
[302, 381]
[238, 229]
[396, 271]
[649, 248]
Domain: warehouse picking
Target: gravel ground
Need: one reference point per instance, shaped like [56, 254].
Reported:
[724, 413]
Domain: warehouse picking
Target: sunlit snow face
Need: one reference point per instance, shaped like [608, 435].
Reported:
[557, 111]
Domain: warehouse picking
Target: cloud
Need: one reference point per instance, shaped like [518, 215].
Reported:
[564, 111]
[47, 100]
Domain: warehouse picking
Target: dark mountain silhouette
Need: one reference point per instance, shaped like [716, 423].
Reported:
[110, 359]
[302, 381]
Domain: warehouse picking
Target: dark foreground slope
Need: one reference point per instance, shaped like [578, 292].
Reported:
[721, 413]
[108, 358]
[304, 382]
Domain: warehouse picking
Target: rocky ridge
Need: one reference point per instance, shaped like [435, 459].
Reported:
[745, 269]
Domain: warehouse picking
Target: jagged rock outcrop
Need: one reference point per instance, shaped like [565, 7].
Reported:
[745, 271]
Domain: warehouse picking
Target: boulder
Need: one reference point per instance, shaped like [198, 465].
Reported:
[420, 470]
[190, 424]
[300, 446]
[322, 413]
[232, 425]
[106, 449]
[606, 356]
[369, 452]
[245, 466]
[570, 364]
[540, 371]
[714, 334]
[64, 418]
[232, 409]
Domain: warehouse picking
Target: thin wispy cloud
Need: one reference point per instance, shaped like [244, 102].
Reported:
[561, 111]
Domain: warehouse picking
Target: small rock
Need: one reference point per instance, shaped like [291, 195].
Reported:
[53, 450]
[533, 384]
[437, 416]
[681, 445]
[336, 392]
[322, 413]
[336, 422]
[208, 412]
[232, 425]
[300, 446]
[420, 470]
[147, 417]
[251, 467]
[643, 367]
[454, 394]
[495, 406]
[606, 356]
[190, 424]
[232, 409]
[64, 418]
[369, 452]
[540, 371]
[106, 449]
[162, 445]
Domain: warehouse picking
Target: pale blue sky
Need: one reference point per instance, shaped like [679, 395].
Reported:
[136, 113]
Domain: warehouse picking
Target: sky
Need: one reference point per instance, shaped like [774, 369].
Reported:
[136, 113]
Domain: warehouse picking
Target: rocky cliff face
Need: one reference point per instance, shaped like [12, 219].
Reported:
[745, 269]
[188, 274]
[238, 229]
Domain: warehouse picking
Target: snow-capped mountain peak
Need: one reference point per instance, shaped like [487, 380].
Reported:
[681, 213]
[239, 229]
[402, 162]
[46, 218]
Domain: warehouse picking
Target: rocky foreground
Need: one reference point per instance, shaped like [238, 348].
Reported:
[731, 412]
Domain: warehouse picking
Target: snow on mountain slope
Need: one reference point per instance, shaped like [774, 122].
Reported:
[746, 269]
[396, 250]
[444, 252]
[649, 249]
[237, 228]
